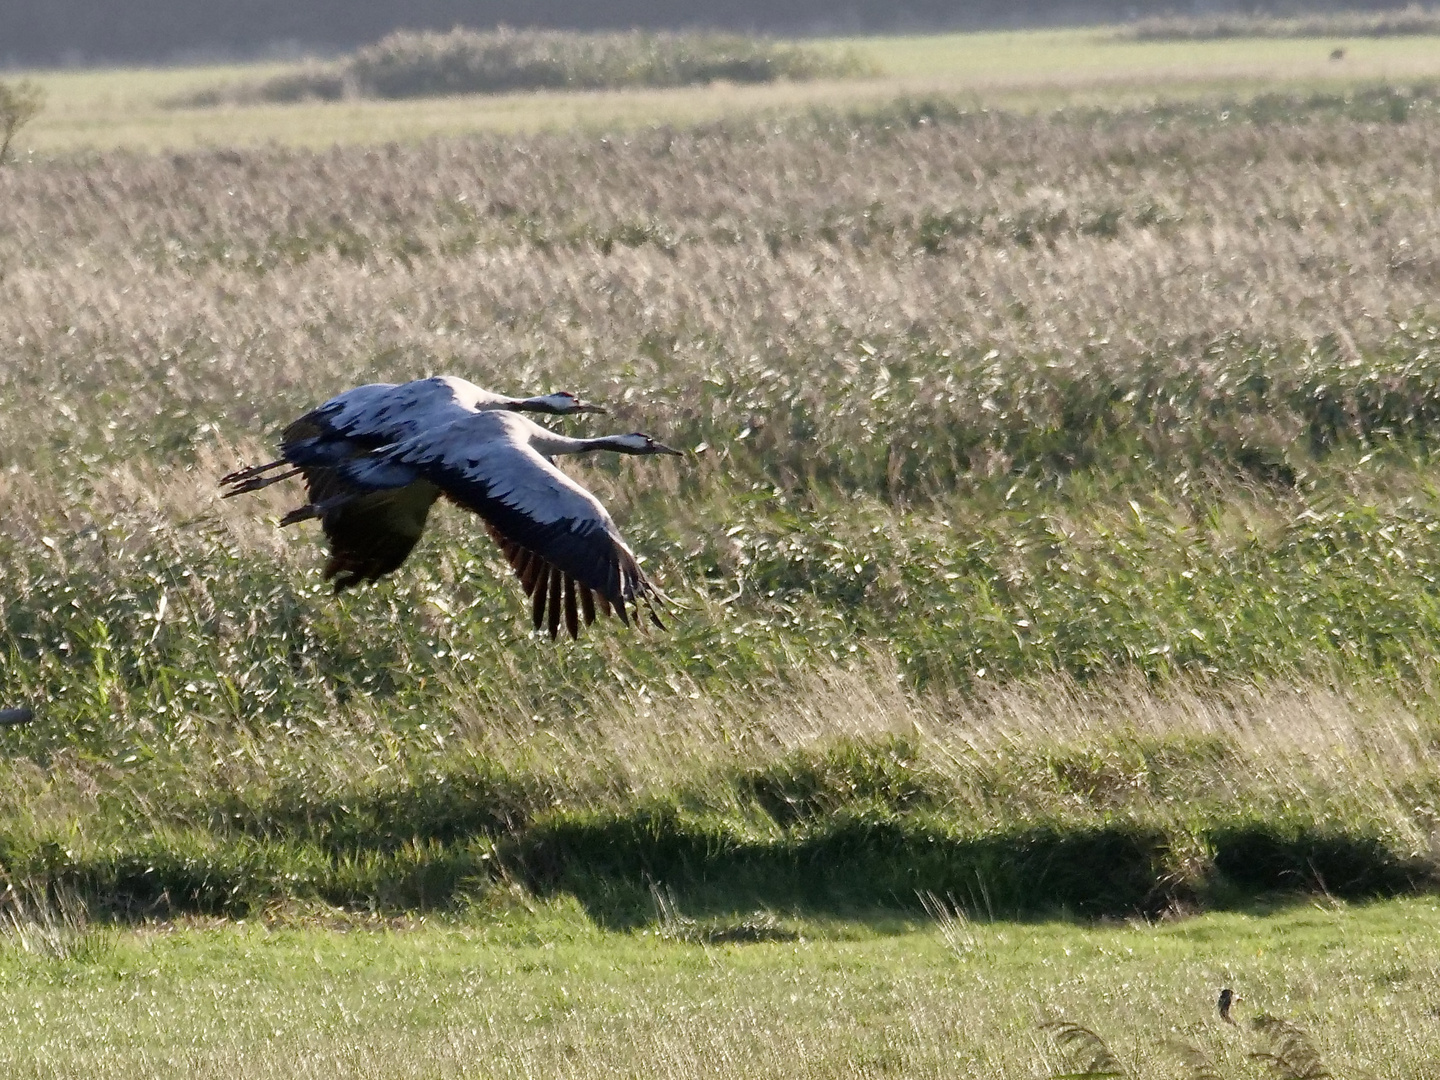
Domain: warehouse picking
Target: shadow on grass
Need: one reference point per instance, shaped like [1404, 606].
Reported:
[1258, 858]
[851, 863]
[865, 865]
[855, 864]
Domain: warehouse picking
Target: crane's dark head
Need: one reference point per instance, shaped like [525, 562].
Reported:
[560, 403]
[638, 443]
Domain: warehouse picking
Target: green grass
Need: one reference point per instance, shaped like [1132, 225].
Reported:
[1027, 70]
[500, 992]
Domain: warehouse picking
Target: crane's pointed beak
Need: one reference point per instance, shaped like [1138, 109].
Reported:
[586, 406]
[661, 448]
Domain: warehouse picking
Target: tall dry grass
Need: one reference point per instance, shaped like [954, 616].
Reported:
[842, 273]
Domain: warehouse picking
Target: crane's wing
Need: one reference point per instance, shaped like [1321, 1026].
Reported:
[370, 532]
[559, 539]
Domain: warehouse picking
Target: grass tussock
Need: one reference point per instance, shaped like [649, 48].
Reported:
[48, 920]
[757, 927]
[409, 64]
[1287, 1053]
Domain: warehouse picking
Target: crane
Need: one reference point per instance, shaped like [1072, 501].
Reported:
[356, 422]
[372, 482]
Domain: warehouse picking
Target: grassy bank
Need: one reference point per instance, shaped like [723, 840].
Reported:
[411, 65]
[857, 797]
[1412, 21]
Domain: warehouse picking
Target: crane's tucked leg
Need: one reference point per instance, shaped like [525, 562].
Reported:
[254, 478]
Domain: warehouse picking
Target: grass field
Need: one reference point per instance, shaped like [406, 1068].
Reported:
[1029, 70]
[1145, 393]
[511, 994]
[1058, 535]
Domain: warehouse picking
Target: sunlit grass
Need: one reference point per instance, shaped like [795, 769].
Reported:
[1064, 546]
[497, 993]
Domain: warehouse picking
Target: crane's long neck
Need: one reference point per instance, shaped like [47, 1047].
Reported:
[552, 444]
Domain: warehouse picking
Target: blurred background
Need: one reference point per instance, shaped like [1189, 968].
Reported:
[86, 32]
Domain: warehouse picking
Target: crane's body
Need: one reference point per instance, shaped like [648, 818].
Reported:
[377, 414]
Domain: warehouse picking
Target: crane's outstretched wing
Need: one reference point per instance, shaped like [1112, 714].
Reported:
[559, 539]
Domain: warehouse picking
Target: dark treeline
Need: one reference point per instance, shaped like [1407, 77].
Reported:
[50, 32]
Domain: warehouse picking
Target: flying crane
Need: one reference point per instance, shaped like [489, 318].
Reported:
[373, 471]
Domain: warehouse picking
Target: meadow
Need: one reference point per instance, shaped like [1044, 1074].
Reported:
[1016, 71]
[1058, 538]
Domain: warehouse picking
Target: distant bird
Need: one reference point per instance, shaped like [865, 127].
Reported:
[1337, 54]
[1227, 998]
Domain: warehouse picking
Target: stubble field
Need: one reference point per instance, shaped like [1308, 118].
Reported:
[1059, 537]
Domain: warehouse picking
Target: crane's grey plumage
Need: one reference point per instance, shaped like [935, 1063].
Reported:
[559, 539]
[377, 414]
[372, 532]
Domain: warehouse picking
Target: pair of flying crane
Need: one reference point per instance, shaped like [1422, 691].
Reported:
[376, 458]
